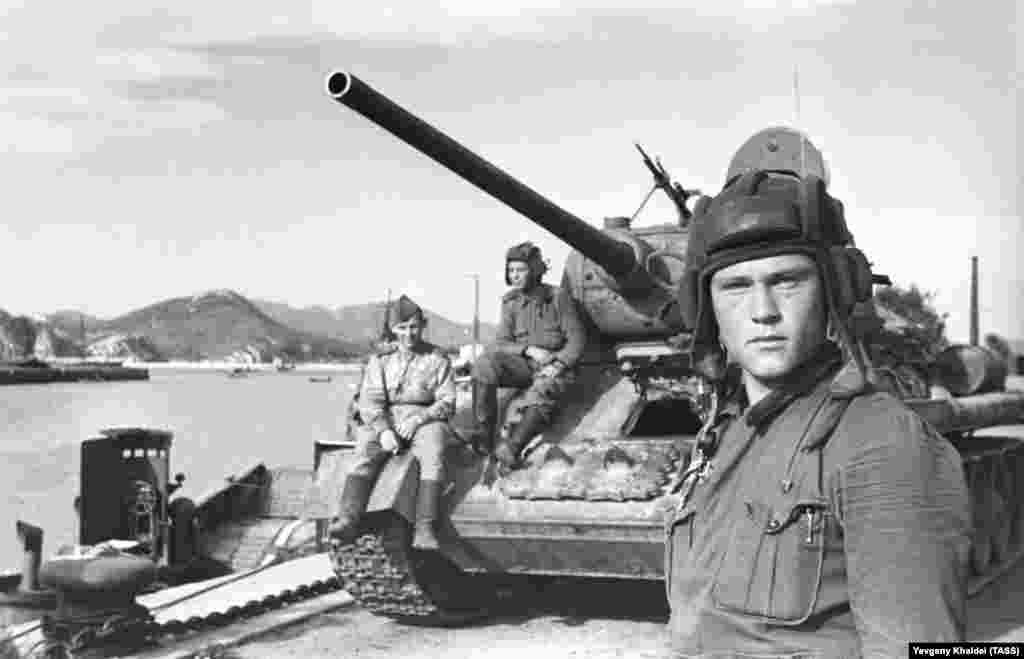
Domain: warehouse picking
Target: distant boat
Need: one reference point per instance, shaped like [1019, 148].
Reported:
[314, 378]
[239, 372]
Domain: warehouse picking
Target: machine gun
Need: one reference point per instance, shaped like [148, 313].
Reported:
[673, 189]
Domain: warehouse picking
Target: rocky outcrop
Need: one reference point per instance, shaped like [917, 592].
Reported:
[50, 342]
[254, 354]
[120, 346]
[17, 337]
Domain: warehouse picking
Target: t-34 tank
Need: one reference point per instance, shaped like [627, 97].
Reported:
[591, 498]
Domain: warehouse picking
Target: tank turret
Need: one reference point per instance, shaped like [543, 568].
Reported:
[624, 280]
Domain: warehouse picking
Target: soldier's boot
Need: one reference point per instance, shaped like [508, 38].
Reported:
[508, 451]
[485, 417]
[354, 497]
[427, 505]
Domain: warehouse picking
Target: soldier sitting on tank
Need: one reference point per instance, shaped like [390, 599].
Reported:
[817, 517]
[406, 398]
[540, 339]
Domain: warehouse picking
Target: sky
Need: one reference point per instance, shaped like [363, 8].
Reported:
[154, 151]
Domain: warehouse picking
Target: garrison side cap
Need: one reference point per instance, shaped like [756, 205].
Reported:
[405, 309]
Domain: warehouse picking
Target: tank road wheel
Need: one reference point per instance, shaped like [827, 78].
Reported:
[388, 577]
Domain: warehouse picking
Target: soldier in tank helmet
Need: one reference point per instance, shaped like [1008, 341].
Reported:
[818, 517]
[540, 340]
[406, 398]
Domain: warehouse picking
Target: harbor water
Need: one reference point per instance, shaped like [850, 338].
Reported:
[220, 424]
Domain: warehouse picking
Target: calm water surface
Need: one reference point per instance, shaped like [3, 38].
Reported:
[220, 425]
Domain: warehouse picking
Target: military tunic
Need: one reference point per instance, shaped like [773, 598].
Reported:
[831, 524]
[398, 385]
[544, 317]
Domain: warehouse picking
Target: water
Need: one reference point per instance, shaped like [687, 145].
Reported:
[221, 425]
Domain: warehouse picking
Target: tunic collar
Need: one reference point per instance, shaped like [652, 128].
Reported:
[805, 378]
[541, 293]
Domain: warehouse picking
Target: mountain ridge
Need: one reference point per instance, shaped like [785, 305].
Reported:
[217, 324]
[363, 322]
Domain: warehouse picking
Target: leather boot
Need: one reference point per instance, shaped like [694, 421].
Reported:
[485, 417]
[354, 498]
[528, 427]
[427, 504]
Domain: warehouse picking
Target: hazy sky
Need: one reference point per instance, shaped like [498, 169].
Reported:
[153, 152]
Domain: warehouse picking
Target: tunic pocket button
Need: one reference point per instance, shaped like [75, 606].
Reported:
[774, 524]
[787, 485]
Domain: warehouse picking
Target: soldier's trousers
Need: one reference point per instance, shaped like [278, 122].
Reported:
[505, 370]
[428, 445]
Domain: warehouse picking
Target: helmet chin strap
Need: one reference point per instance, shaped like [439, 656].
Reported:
[854, 348]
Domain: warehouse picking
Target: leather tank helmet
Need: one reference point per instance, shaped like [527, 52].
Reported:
[529, 254]
[770, 207]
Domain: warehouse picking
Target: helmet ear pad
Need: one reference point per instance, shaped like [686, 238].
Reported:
[688, 297]
[853, 282]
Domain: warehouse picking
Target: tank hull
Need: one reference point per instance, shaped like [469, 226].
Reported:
[490, 532]
[535, 528]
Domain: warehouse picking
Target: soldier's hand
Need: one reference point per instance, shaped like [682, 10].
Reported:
[539, 355]
[389, 441]
[406, 427]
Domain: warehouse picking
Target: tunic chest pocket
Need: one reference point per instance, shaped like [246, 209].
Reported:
[773, 563]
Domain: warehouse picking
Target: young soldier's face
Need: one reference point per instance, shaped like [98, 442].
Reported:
[519, 274]
[409, 333]
[770, 313]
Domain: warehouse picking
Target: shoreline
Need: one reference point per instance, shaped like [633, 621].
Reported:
[328, 367]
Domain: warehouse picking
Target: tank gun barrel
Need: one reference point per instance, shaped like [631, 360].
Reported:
[615, 256]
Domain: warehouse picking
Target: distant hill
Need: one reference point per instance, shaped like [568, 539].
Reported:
[361, 323]
[17, 336]
[22, 337]
[219, 324]
[222, 324]
[72, 322]
[315, 320]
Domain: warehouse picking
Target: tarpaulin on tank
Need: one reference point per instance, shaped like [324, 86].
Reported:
[595, 470]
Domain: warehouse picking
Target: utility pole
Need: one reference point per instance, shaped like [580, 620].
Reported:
[385, 325]
[476, 312]
[974, 300]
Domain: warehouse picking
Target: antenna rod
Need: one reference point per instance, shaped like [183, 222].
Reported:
[974, 300]
[796, 120]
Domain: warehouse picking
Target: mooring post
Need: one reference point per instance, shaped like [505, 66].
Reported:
[31, 538]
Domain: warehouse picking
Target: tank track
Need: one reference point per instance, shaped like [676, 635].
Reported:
[387, 577]
[80, 640]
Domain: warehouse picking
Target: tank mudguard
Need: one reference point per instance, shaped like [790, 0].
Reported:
[397, 487]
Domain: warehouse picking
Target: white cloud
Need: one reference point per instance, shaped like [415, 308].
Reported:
[151, 64]
[22, 135]
[452, 18]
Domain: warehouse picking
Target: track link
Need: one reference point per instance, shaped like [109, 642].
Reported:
[388, 578]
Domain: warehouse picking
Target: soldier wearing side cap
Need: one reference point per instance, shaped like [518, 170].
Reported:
[818, 516]
[406, 398]
[540, 340]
